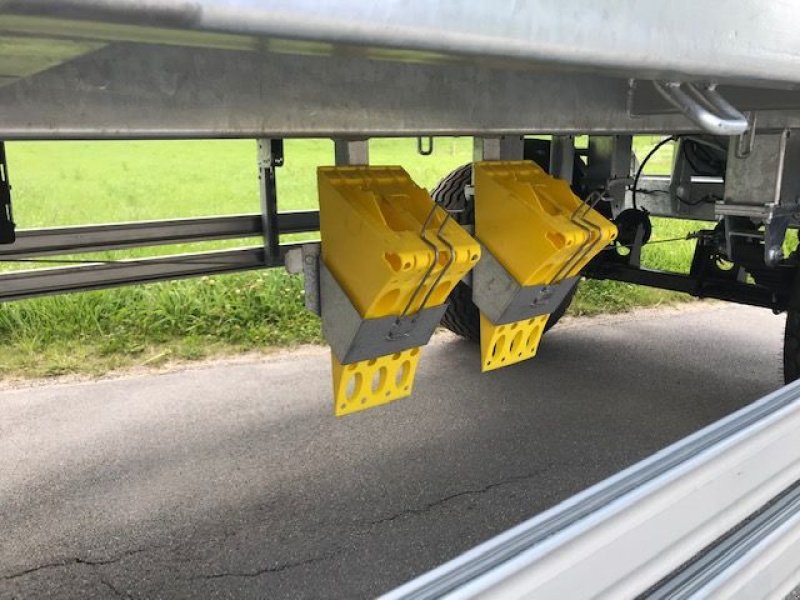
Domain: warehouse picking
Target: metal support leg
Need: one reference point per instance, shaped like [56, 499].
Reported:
[270, 157]
[609, 166]
[351, 152]
[7, 227]
[562, 157]
[504, 147]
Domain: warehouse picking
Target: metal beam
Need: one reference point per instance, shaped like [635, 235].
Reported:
[142, 91]
[118, 236]
[731, 291]
[621, 536]
[702, 41]
[15, 285]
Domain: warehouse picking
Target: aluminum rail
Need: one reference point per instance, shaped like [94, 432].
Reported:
[15, 285]
[625, 534]
[683, 38]
[118, 236]
[767, 545]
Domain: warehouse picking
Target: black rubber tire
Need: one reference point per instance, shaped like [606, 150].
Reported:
[791, 346]
[791, 332]
[462, 316]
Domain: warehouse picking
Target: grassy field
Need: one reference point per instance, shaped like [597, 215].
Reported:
[71, 183]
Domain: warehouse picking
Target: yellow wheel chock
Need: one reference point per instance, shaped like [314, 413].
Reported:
[536, 236]
[390, 258]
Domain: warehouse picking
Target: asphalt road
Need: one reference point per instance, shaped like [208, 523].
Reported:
[234, 481]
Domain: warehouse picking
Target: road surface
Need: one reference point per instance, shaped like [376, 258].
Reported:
[233, 480]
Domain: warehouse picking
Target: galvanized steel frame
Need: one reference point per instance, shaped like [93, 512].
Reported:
[242, 68]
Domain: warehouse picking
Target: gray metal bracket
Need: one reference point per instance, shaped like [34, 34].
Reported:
[305, 260]
[353, 338]
[762, 184]
[498, 295]
[776, 220]
[351, 151]
[270, 157]
[609, 167]
[504, 147]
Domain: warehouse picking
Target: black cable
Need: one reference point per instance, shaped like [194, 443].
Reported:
[692, 235]
[650, 154]
[707, 199]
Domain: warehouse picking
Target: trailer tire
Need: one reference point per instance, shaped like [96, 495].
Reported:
[462, 316]
[791, 346]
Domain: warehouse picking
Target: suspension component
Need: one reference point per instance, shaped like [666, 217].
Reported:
[536, 236]
[390, 258]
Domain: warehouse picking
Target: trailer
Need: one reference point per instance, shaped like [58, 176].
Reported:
[496, 250]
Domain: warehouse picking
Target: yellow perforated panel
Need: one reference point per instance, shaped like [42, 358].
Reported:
[373, 382]
[503, 345]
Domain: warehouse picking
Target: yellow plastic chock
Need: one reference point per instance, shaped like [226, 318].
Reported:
[393, 252]
[541, 233]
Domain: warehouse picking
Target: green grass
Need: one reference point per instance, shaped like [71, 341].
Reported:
[69, 183]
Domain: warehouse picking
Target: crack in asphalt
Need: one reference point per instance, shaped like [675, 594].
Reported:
[370, 525]
[69, 562]
[446, 499]
[266, 570]
[281, 567]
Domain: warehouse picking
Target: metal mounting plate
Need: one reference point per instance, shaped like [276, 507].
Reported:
[498, 295]
[353, 338]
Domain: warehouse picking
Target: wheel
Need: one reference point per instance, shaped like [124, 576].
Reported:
[791, 332]
[791, 346]
[462, 316]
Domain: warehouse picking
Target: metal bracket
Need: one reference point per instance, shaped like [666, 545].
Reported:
[776, 219]
[353, 338]
[504, 147]
[609, 167]
[270, 157]
[7, 226]
[351, 151]
[746, 140]
[705, 107]
[635, 256]
[305, 260]
[562, 157]
[498, 295]
[421, 149]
